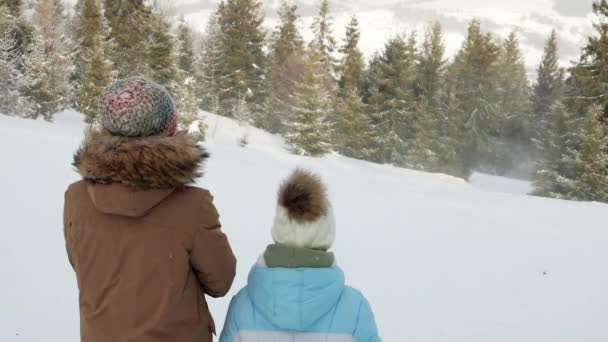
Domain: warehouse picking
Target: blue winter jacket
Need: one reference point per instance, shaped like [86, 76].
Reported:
[299, 305]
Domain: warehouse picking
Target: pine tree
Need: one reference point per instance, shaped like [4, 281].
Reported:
[49, 66]
[428, 151]
[130, 28]
[161, 59]
[208, 73]
[308, 132]
[513, 144]
[243, 69]
[587, 83]
[95, 68]
[353, 127]
[286, 40]
[352, 133]
[352, 63]
[21, 31]
[189, 120]
[11, 79]
[591, 164]
[393, 101]
[285, 70]
[185, 47]
[473, 78]
[324, 41]
[549, 86]
[555, 173]
[15, 7]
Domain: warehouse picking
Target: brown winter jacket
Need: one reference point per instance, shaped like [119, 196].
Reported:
[146, 247]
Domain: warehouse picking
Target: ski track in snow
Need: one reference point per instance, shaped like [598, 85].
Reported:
[439, 259]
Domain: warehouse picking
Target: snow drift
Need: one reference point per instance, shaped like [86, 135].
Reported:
[439, 259]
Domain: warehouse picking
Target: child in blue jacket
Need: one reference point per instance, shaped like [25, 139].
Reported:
[295, 292]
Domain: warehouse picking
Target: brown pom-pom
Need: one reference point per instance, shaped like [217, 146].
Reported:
[304, 196]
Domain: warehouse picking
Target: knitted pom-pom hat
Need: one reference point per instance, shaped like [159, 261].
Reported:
[304, 217]
[136, 107]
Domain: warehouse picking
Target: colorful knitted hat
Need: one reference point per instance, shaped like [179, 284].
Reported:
[136, 107]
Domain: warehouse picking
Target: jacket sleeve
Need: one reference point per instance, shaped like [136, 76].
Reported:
[366, 330]
[66, 230]
[211, 256]
[230, 326]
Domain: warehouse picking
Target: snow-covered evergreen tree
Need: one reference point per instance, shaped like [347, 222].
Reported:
[352, 129]
[285, 68]
[513, 143]
[185, 47]
[130, 28]
[161, 57]
[14, 24]
[352, 64]
[286, 38]
[393, 104]
[12, 102]
[324, 41]
[49, 66]
[588, 78]
[555, 174]
[308, 132]
[474, 81]
[189, 119]
[549, 86]
[243, 70]
[430, 145]
[591, 164]
[208, 71]
[96, 70]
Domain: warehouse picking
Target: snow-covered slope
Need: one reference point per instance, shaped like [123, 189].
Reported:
[439, 259]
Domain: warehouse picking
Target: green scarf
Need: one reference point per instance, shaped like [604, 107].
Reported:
[292, 257]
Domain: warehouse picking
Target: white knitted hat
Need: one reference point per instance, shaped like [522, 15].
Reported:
[304, 215]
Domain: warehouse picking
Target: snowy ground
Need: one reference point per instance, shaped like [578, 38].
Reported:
[439, 259]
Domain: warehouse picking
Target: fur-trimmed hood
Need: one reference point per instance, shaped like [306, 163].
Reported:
[156, 162]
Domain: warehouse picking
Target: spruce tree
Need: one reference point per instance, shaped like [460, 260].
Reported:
[353, 129]
[587, 83]
[549, 86]
[15, 7]
[130, 28]
[591, 164]
[12, 102]
[243, 68]
[189, 120]
[428, 150]
[285, 70]
[94, 65]
[352, 64]
[324, 41]
[513, 144]
[161, 57]
[555, 173]
[352, 136]
[474, 81]
[185, 47]
[48, 64]
[208, 73]
[286, 39]
[393, 101]
[20, 30]
[308, 132]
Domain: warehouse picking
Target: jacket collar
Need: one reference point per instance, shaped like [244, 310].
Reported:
[278, 255]
[156, 162]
